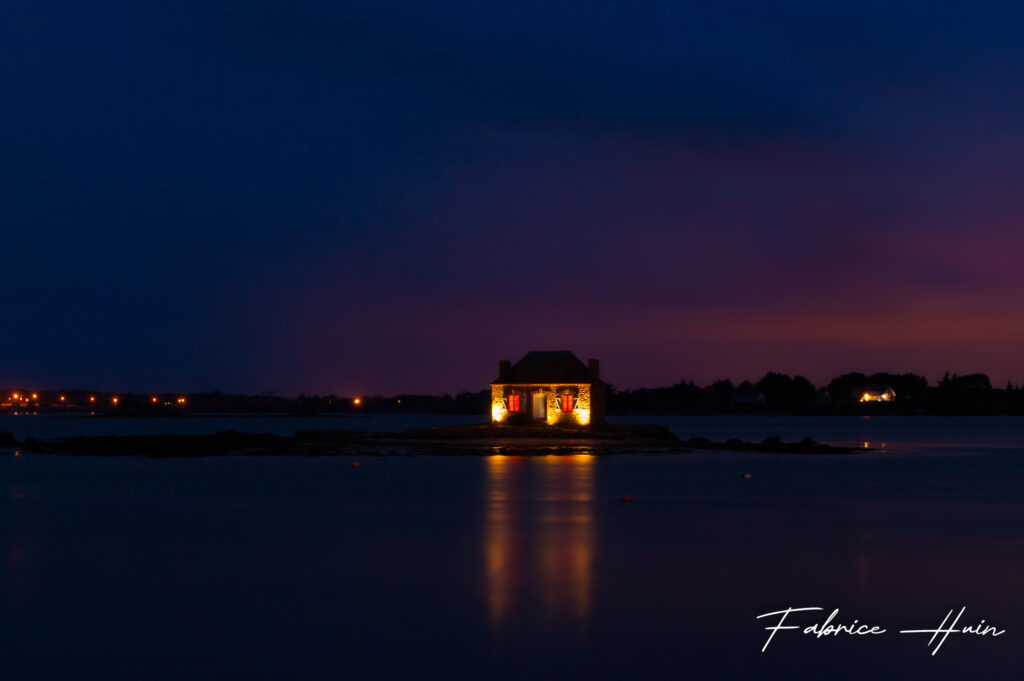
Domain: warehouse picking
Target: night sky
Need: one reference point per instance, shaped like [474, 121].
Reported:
[375, 197]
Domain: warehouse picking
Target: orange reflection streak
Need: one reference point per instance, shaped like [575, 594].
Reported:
[566, 534]
[501, 535]
[560, 538]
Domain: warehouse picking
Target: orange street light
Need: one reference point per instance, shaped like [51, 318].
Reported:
[357, 401]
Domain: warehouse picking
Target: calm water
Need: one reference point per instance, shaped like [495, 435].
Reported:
[505, 567]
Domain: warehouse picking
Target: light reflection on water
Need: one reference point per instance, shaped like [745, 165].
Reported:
[503, 567]
[540, 548]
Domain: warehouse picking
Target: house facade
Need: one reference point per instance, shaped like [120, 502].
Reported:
[878, 393]
[552, 387]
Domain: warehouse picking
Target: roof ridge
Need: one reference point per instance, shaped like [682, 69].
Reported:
[547, 366]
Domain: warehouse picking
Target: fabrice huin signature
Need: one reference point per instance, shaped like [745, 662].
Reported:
[831, 627]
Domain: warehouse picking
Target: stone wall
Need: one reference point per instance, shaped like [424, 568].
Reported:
[555, 416]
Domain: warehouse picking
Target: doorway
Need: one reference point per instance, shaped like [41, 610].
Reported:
[539, 406]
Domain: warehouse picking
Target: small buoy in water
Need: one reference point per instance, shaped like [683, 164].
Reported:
[626, 498]
[356, 464]
[747, 476]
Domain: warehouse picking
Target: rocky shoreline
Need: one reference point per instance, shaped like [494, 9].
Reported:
[478, 440]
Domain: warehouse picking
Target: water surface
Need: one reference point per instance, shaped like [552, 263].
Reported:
[510, 567]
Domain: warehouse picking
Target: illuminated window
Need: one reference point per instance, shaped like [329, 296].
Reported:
[513, 402]
[567, 402]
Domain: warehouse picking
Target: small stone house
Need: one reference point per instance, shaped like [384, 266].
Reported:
[552, 387]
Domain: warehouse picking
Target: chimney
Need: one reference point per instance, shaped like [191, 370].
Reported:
[503, 366]
[594, 366]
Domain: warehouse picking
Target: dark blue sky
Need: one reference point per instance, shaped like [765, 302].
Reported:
[383, 197]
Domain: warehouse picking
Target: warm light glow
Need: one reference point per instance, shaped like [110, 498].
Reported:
[153, 399]
[581, 410]
[15, 396]
[35, 396]
[92, 398]
[61, 398]
[498, 410]
[357, 401]
[181, 400]
[114, 400]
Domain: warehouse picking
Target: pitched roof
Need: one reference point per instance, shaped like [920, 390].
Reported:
[551, 366]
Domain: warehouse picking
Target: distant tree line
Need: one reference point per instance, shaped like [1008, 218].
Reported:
[780, 393]
[462, 403]
[773, 393]
[19, 401]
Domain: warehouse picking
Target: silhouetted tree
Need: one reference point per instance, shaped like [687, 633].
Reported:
[848, 388]
[781, 390]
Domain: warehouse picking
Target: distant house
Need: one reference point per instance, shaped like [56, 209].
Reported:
[747, 396]
[882, 393]
[552, 387]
